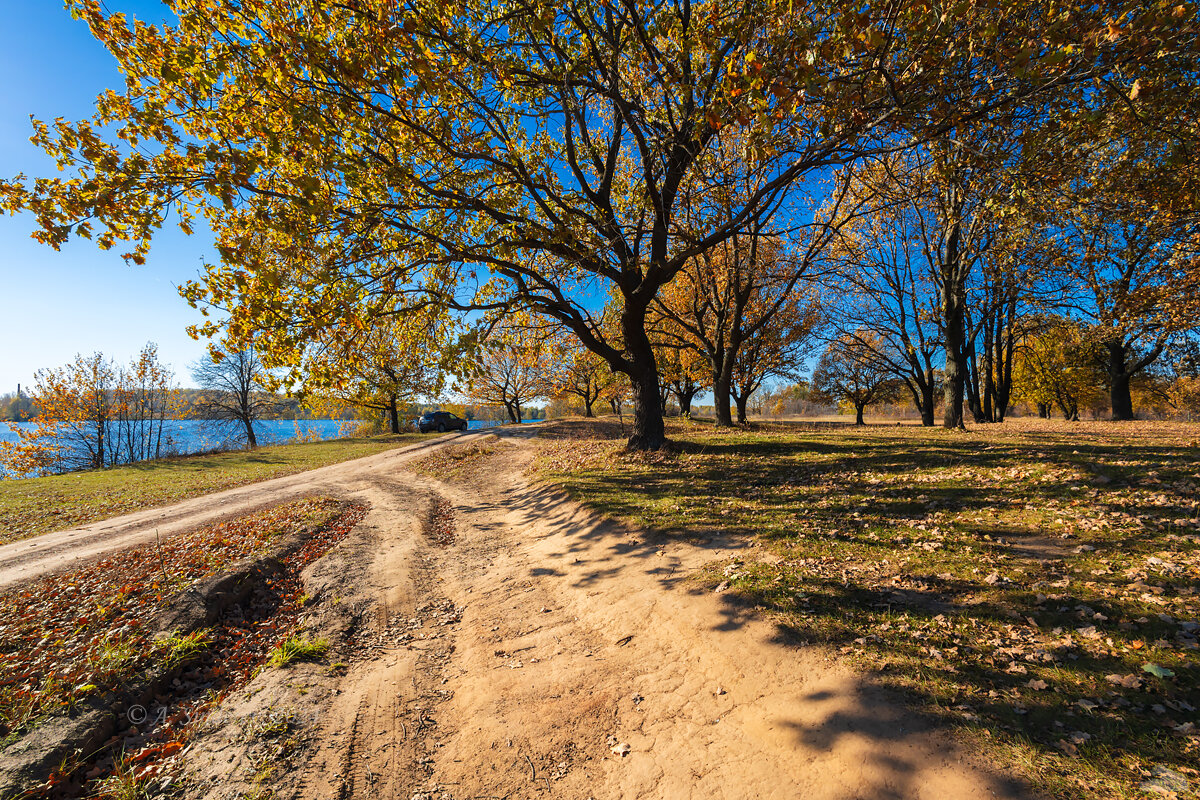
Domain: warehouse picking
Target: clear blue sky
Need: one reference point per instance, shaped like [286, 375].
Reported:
[56, 304]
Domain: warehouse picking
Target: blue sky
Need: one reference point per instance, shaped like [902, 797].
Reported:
[56, 304]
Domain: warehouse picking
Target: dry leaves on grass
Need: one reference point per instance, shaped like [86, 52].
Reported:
[66, 636]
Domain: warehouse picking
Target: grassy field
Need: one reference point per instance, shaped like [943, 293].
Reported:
[1034, 583]
[40, 505]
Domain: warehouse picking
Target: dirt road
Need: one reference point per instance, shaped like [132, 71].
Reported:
[51, 552]
[501, 642]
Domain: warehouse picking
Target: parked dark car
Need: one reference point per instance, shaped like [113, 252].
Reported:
[440, 421]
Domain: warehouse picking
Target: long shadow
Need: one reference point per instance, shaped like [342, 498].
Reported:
[981, 651]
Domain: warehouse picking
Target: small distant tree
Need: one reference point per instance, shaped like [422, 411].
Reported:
[778, 349]
[1059, 364]
[385, 366]
[513, 367]
[848, 372]
[684, 372]
[236, 389]
[581, 373]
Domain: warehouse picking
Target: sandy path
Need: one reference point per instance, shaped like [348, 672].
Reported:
[52, 552]
[510, 662]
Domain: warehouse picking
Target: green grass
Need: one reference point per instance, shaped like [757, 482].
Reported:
[39, 505]
[1024, 581]
[298, 648]
[175, 649]
[454, 462]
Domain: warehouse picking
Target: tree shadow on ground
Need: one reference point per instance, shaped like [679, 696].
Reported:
[1040, 587]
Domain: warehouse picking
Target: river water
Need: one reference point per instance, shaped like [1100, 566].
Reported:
[183, 436]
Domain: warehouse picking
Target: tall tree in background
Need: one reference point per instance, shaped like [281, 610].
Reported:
[236, 389]
[883, 286]
[1125, 257]
[548, 145]
[743, 288]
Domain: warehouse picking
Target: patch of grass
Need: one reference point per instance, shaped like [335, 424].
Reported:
[175, 649]
[123, 783]
[114, 655]
[40, 505]
[298, 648]
[453, 462]
[1036, 583]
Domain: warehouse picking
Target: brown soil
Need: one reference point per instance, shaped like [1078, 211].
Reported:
[502, 642]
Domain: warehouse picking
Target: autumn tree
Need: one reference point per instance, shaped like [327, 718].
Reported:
[1058, 365]
[883, 286]
[579, 373]
[395, 361]
[684, 373]
[847, 371]
[94, 413]
[510, 155]
[513, 366]
[1124, 257]
[777, 350]
[236, 389]
[146, 396]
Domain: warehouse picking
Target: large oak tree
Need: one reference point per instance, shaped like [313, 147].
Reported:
[524, 153]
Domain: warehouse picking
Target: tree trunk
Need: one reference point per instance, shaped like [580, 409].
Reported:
[1118, 376]
[721, 390]
[741, 408]
[587, 407]
[251, 439]
[927, 405]
[685, 401]
[971, 384]
[394, 415]
[649, 430]
[953, 390]
[858, 414]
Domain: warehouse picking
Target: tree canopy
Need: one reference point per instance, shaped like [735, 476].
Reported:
[528, 154]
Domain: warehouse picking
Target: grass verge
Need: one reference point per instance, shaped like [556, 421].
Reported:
[1035, 583]
[39, 505]
[455, 461]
